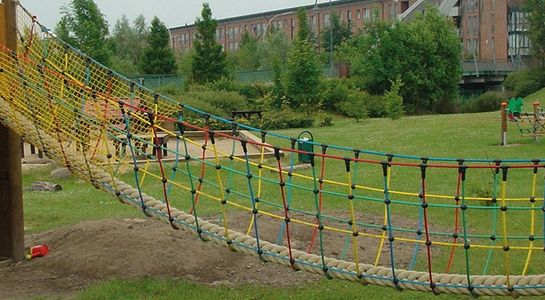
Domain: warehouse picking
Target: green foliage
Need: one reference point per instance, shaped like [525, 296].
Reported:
[184, 60]
[209, 60]
[123, 66]
[393, 101]
[489, 101]
[375, 104]
[129, 43]
[424, 53]
[342, 96]
[273, 50]
[83, 26]
[536, 19]
[247, 56]
[303, 33]
[525, 82]
[158, 57]
[283, 119]
[303, 72]
[324, 119]
[337, 33]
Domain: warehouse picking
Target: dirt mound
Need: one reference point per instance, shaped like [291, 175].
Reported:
[94, 251]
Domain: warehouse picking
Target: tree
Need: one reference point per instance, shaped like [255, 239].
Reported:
[83, 25]
[247, 56]
[158, 57]
[424, 53]
[394, 102]
[209, 62]
[303, 70]
[536, 19]
[273, 50]
[336, 33]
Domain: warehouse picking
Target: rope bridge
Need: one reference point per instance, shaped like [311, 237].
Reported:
[464, 226]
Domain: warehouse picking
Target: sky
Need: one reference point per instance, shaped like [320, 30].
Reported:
[172, 12]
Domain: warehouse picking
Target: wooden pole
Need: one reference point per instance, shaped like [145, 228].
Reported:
[503, 124]
[12, 244]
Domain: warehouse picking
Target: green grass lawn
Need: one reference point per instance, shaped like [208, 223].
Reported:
[455, 136]
[537, 96]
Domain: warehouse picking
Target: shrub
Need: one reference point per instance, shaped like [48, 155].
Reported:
[170, 89]
[335, 91]
[225, 84]
[284, 119]
[323, 120]
[394, 101]
[489, 101]
[375, 106]
[354, 106]
[523, 83]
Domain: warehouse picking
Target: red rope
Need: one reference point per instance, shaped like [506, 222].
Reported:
[199, 187]
[164, 181]
[286, 214]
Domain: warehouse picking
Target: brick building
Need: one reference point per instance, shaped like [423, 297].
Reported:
[491, 31]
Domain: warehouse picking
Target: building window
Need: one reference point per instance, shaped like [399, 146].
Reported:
[517, 27]
[349, 16]
[327, 21]
[358, 14]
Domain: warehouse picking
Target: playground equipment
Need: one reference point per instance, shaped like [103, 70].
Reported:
[528, 124]
[47, 88]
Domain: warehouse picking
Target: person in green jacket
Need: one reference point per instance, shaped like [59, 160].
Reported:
[515, 106]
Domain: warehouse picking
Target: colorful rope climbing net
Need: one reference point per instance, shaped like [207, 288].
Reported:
[386, 219]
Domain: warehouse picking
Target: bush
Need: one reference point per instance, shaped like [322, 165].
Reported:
[375, 105]
[393, 101]
[354, 106]
[323, 120]
[284, 119]
[171, 90]
[524, 83]
[335, 91]
[489, 101]
[225, 84]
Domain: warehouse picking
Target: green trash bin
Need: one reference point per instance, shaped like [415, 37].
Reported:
[304, 145]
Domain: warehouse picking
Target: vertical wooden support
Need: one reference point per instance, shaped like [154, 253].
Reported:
[503, 124]
[11, 197]
[536, 119]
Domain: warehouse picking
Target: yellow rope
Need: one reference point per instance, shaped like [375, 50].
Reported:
[532, 224]
[506, 256]
[381, 243]
[222, 190]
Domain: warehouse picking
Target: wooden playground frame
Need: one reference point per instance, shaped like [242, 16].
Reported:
[12, 245]
[536, 118]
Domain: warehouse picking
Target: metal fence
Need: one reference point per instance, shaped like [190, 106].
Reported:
[155, 81]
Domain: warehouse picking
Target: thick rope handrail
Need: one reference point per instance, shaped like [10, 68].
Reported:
[77, 111]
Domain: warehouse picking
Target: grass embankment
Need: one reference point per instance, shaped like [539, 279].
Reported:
[537, 96]
[457, 136]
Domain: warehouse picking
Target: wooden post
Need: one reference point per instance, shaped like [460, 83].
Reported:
[12, 244]
[503, 124]
[536, 119]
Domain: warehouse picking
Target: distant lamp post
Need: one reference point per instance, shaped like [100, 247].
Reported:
[272, 19]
